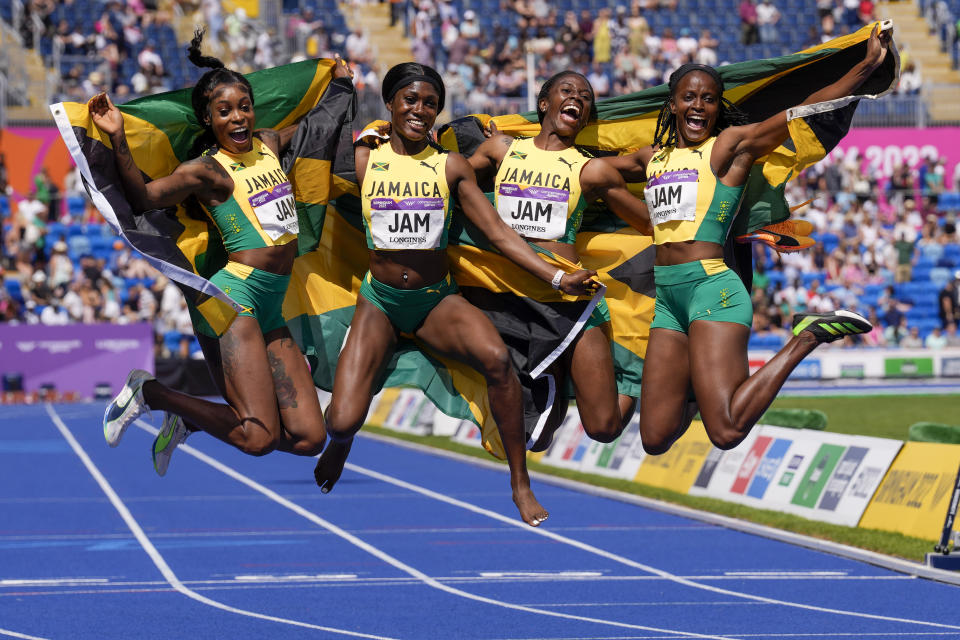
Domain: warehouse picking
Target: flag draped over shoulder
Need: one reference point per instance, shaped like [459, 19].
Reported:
[182, 242]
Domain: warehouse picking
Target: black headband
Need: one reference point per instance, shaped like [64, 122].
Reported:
[410, 79]
[677, 75]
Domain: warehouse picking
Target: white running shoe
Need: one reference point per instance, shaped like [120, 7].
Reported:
[126, 407]
[172, 434]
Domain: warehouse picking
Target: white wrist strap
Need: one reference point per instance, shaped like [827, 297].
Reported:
[557, 277]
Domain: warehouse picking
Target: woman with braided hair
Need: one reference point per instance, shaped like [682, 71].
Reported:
[238, 182]
[695, 172]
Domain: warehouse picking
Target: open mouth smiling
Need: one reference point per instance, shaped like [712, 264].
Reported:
[240, 135]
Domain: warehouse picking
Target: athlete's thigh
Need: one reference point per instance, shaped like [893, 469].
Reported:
[296, 394]
[663, 387]
[247, 375]
[718, 364]
[370, 344]
[591, 369]
[457, 329]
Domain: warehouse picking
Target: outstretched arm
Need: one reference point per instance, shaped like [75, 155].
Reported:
[603, 182]
[189, 178]
[757, 140]
[475, 205]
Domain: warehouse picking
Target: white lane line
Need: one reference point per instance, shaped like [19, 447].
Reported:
[155, 555]
[515, 522]
[14, 634]
[394, 562]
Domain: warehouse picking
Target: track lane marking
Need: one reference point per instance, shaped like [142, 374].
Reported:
[623, 560]
[155, 555]
[400, 565]
[14, 634]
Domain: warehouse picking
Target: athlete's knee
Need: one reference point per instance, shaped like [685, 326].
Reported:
[655, 446]
[343, 423]
[724, 433]
[495, 364]
[606, 428]
[311, 445]
[657, 439]
[258, 440]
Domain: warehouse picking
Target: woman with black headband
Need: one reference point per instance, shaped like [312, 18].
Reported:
[541, 186]
[407, 185]
[238, 182]
[695, 174]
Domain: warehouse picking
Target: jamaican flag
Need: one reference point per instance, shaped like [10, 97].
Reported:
[761, 88]
[182, 242]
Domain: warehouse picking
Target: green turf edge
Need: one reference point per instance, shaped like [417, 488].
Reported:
[885, 542]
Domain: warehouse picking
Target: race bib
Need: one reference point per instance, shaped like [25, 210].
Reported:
[672, 196]
[410, 223]
[534, 212]
[276, 210]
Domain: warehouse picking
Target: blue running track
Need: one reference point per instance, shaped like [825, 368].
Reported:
[409, 545]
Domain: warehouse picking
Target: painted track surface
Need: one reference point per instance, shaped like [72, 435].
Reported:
[409, 545]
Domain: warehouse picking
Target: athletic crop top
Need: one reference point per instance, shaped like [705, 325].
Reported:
[261, 212]
[406, 199]
[538, 192]
[685, 199]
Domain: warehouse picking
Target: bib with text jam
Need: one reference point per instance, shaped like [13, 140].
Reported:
[405, 200]
[538, 194]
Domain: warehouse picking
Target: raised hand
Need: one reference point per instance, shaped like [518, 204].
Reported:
[105, 114]
[340, 68]
[877, 46]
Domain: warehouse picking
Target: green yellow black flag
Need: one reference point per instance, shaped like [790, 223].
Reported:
[182, 242]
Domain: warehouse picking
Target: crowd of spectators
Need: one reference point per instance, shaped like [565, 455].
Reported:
[124, 46]
[621, 48]
[887, 248]
[130, 47]
[58, 269]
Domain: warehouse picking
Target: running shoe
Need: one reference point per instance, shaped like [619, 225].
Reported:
[828, 327]
[173, 433]
[789, 235]
[126, 407]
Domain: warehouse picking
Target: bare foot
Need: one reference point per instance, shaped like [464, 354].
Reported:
[330, 465]
[530, 510]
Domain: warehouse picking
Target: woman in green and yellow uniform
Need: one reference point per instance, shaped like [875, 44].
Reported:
[407, 186]
[238, 182]
[695, 174]
[541, 186]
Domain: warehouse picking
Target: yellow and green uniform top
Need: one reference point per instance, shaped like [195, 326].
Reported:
[685, 198]
[261, 211]
[538, 192]
[406, 199]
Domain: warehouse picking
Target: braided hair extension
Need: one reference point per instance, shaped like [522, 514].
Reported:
[553, 80]
[667, 135]
[200, 97]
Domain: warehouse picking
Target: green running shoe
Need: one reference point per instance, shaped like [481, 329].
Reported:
[126, 407]
[172, 434]
[828, 327]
